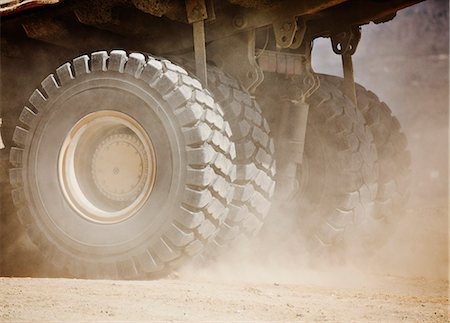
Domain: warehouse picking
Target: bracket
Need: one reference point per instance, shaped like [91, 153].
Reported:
[289, 33]
[299, 34]
[196, 15]
[284, 31]
[236, 56]
[345, 43]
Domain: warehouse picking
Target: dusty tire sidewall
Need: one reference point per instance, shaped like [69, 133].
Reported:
[317, 156]
[60, 224]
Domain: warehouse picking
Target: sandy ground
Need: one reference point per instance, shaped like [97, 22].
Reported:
[405, 280]
[389, 299]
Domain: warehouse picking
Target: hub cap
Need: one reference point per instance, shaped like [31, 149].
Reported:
[107, 167]
[119, 166]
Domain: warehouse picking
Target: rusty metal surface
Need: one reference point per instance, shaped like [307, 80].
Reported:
[354, 13]
[61, 32]
[196, 10]
[228, 22]
[11, 6]
[259, 4]
[319, 18]
[156, 8]
[236, 56]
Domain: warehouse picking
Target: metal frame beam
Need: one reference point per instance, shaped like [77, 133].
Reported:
[196, 15]
[235, 19]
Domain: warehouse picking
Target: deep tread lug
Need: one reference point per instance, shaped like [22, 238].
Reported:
[27, 116]
[37, 100]
[65, 74]
[81, 65]
[117, 60]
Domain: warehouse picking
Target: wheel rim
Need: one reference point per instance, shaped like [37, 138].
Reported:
[107, 167]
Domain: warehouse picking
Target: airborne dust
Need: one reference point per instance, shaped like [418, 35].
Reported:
[405, 62]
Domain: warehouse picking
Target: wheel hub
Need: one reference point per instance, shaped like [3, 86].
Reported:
[107, 167]
[120, 167]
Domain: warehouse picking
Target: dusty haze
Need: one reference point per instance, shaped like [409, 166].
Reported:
[406, 63]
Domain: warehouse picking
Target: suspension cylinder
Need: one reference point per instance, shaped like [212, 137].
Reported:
[291, 143]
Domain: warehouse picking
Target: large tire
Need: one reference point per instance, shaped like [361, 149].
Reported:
[394, 159]
[337, 178]
[186, 194]
[341, 159]
[255, 162]
[14, 243]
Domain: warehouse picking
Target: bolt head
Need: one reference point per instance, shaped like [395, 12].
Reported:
[239, 22]
[287, 26]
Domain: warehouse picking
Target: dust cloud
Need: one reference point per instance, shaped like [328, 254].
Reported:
[405, 63]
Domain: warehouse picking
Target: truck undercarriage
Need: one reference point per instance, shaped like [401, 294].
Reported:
[126, 164]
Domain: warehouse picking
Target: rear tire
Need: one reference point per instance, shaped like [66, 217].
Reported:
[394, 159]
[338, 174]
[186, 194]
[255, 162]
[337, 195]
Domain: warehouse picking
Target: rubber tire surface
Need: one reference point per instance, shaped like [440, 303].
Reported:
[190, 138]
[19, 256]
[255, 160]
[337, 178]
[394, 159]
[348, 169]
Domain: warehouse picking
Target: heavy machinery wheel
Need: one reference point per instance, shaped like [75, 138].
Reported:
[338, 174]
[254, 185]
[394, 159]
[123, 166]
[338, 177]
[255, 160]
[19, 76]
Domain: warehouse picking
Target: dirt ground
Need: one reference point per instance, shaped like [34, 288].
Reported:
[275, 278]
[405, 280]
[391, 298]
